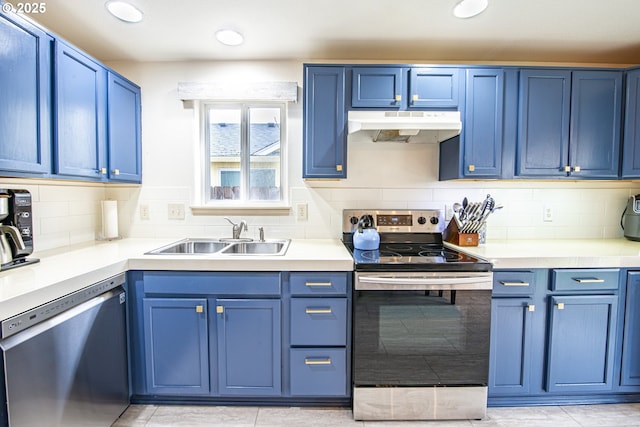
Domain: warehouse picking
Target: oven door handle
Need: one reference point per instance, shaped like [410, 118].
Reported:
[426, 283]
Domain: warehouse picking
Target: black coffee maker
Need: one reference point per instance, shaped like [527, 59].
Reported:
[16, 228]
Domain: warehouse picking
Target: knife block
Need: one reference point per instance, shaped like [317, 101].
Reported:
[453, 235]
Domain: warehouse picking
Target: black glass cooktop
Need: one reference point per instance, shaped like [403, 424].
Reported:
[413, 252]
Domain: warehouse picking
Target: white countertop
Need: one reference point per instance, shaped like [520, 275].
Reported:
[63, 271]
[566, 253]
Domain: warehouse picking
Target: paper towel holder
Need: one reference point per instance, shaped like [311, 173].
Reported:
[109, 229]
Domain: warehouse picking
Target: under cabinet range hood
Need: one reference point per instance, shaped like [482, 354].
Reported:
[405, 126]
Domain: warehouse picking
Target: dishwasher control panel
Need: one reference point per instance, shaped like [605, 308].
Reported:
[22, 321]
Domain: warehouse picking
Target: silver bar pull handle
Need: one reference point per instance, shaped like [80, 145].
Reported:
[310, 310]
[588, 280]
[311, 284]
[505, 283]
[309, 361]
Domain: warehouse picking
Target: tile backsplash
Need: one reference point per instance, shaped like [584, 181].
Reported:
[66, 213]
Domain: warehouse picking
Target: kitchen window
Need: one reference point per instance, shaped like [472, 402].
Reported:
[244, 153]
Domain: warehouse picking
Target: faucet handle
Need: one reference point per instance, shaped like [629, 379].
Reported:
[230, 222]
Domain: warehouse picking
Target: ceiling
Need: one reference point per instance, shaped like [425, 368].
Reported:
[509, 31]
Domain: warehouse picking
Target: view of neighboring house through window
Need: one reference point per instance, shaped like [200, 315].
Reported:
[245, 156]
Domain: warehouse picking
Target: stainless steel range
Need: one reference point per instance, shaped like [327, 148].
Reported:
[421, 322]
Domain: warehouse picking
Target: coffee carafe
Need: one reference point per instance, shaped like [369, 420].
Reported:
[16, 230]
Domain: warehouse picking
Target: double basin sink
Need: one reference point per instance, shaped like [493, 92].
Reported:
[224, 247]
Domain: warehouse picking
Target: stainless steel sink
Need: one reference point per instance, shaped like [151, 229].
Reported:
[223, 247]
[191, 247]
[272, 247]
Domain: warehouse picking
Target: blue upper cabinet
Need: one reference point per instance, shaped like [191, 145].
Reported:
[404, 88]
[25, 100]
[378, 87]
[434, 87]
[631, 145]
[324, 117]
[596, 118]
[125, 151]
[569, 124]
[81, 102]
[543, 137]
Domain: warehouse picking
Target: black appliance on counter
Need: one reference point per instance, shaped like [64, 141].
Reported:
[16, 228]
[422, 315]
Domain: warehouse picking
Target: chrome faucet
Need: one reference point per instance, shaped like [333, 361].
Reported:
[237, 228]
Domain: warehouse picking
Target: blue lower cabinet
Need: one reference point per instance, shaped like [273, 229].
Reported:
[249, 347]
[582, 331]
[510, 364]
[176, 346]
[318, 372]
[630, 375]
[319, 321]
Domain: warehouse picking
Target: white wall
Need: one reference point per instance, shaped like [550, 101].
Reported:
[380, 176]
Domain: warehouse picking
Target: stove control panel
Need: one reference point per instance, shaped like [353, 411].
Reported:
[396, 221]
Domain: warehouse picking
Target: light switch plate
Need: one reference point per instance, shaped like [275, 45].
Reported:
[176, 211]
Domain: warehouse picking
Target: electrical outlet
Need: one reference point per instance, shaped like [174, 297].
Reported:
[176, 211]
[547, 213]
[448, 212]
[302, 212]
[144, 212]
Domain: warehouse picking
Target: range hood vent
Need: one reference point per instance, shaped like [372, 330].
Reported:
[405, 126]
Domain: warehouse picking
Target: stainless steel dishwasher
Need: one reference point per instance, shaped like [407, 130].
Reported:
[65, 363]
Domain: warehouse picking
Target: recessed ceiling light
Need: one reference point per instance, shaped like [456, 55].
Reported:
[229, 37]
[469, 8]
[124, 11]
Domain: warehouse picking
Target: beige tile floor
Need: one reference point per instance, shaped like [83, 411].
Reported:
[618, 415]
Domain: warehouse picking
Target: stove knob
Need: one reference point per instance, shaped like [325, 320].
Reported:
[422, 220]
[353, 220]
[434, 220]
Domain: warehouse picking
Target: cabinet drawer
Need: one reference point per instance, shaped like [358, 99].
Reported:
[330, 283]
[319, 321]
[318, 372]
[206, 283]
[513, 283]
[585, 279]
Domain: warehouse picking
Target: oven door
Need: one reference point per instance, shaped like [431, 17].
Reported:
[421, 329]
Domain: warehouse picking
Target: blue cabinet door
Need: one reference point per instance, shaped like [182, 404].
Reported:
[596, 117]
[80, 126]
[434, 87]
[25, 98]
[631, 339]
[631, 145]
[510, 346]
[325, 139]
[483, 123]
[378, 87]
[543, 134]
[176, 346]
[125, 149]
[249, 347]
[582, 331]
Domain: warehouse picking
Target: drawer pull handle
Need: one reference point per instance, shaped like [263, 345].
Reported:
[588, 280]
[199, 309]
[219, 309]
[503, 283]
[560, 306]
[311, 284]
[531, 307]
[318, 310]
[326, 361]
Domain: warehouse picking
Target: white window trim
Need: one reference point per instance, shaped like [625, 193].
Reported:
[235, 207]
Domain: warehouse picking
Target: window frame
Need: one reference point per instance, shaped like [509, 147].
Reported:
[206, 204]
